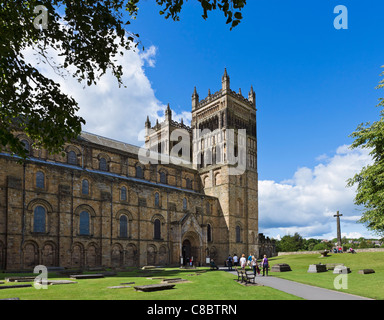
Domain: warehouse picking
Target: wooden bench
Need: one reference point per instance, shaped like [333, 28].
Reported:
[240, 274]
[245, 276]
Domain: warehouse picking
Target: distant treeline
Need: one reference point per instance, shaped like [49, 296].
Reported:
[290, 243]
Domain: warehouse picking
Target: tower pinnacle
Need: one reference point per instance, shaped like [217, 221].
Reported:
[147, 123]
[168, 113]
[195, 99]
[225, 81]
[252, 96]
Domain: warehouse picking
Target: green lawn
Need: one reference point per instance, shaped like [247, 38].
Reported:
[211, 285]
[368, 285]
[215, 285]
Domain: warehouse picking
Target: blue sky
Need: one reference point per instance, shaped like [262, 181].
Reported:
[314, 85]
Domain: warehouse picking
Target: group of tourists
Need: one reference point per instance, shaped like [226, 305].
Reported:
[251, 262]
[338, 249]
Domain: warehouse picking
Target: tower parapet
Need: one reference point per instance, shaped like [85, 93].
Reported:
[225, 90]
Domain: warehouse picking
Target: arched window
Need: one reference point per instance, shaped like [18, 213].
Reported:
[39, 219]
[157, 199]
[72, 157]
[123, 194]
[157, 229]
[84, 223]
[40, 180]
[189, 183]
[85, 187]
[209, 233]
[26, 145]
[163, 177]
[185, 204]
[238, 234]
[139, 172]
[103, 164]
[123, 226]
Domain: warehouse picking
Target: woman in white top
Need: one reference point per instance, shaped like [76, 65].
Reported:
[254, 265]
[243, 261]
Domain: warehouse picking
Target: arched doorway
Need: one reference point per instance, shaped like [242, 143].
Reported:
[191, 249]
[186, 251]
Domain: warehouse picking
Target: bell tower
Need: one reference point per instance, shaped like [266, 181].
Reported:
[225, 153]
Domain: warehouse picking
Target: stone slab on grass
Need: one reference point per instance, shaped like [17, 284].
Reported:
[341, 270]
[281, 267]
[86, 276]
[16, 286]
[366, 271]
[317, 268]
[154, 287]
[57, 282]
[20, 279]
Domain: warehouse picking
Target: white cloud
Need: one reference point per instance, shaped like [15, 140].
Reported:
[109, 110]
[307, 202]
[352, 235]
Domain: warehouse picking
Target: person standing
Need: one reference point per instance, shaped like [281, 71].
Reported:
[254, 265]
[235, 260]
[249, 262]
[243, 261]
[229, 262]
[265, 265]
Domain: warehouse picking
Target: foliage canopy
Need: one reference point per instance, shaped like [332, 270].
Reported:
[370, 180]
[89, 35]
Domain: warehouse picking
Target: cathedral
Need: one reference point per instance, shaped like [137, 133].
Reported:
[105, 203]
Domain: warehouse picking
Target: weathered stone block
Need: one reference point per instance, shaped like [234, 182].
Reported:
[366, 271]
[86, 276]
[154, 287]
[281, 267]
[317, 268]
[341, 270]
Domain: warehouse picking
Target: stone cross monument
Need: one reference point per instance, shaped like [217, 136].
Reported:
[338, 215]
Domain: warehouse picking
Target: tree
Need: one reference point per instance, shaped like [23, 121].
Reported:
[323, 246]
[88, 35]
[370, 180]
[290, 243]
[310, 244]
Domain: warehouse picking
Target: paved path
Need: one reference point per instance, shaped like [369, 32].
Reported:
[303, 290]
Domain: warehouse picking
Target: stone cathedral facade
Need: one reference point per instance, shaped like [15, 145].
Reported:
[98, 204]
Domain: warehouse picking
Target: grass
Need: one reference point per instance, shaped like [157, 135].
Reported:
[215, 285]
[367, 285]
[210, 285]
